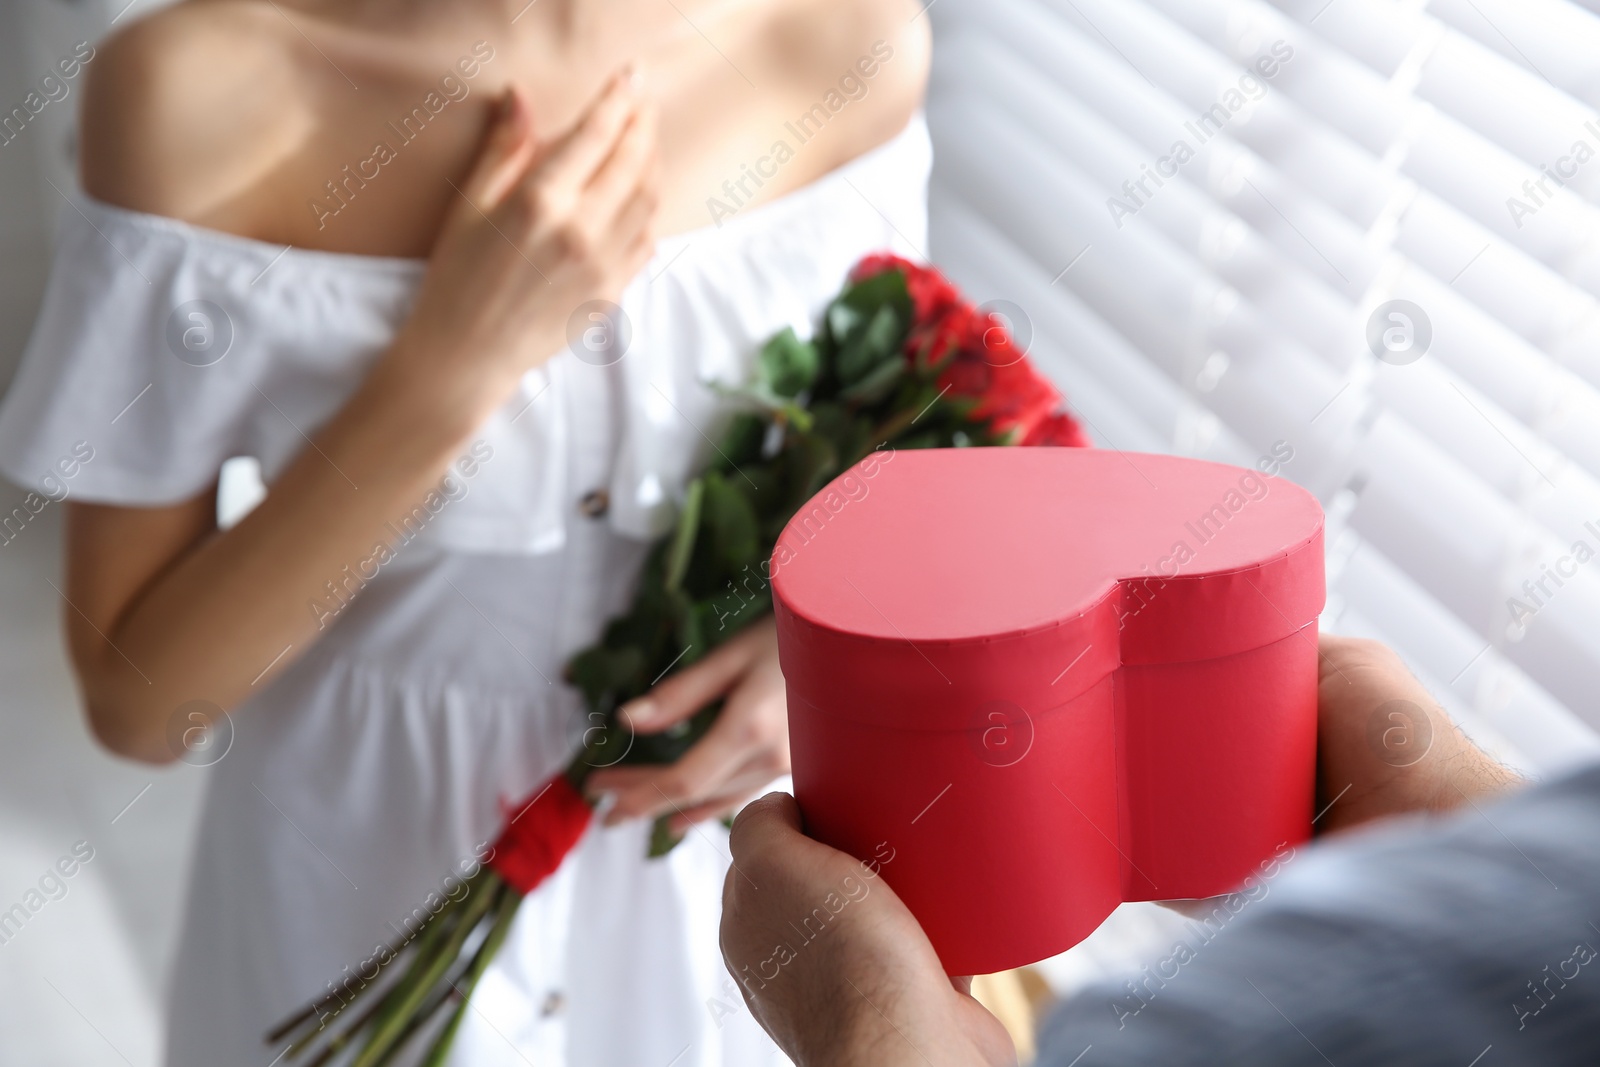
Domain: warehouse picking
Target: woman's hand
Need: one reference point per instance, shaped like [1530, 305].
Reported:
[167, 612]
[540, 227]
[746, 748]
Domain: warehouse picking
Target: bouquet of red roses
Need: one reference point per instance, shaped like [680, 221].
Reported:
[898, 361]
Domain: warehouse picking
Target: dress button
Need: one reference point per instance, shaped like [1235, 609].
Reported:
[595, 503]
[554, 1001]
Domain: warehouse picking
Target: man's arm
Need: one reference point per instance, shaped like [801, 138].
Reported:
[873, 989]
[1466, 941]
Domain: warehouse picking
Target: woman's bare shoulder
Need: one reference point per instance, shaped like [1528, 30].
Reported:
[828, 41]
[186, 110]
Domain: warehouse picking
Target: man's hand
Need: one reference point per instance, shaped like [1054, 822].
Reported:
[1385, 747]
[832, 964]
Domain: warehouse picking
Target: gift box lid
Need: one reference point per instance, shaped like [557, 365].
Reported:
[922, 580]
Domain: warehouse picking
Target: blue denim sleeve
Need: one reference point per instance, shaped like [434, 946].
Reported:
[1465, 942]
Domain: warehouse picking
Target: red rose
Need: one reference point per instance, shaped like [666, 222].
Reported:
[875, 264]
[966, 377]
[539, 834]
[989, 338]
[931, 293]
[977, 358]
[931, 344]
[1060, 430]
[1011, 396]
[1018, 398]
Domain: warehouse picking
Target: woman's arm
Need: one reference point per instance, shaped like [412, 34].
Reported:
[164, 610]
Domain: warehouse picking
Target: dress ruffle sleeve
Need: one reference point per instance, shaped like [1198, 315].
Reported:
[162, 351]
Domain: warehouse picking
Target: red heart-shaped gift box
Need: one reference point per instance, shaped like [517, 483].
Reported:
[1029, 684]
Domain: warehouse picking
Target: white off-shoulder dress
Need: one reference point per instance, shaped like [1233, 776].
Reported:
[377, 763]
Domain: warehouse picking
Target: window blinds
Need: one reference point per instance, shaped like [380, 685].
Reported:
[1204, 210]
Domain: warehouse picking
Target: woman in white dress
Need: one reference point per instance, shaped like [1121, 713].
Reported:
[352, 240]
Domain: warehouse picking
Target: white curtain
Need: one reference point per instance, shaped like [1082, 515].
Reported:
[1203, 211]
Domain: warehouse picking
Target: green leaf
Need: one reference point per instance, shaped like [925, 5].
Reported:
[788, 365]
[663, 839]
[875, 342]
[921, 439]
[729, 614]
[669, 745]
[600, 670]
[847, 428]
[742, 440]
[796, 416]
[843, 319]
[863, 299]
[876, 383]
[735, 533]
[865, 325]
[809, 464]
[683, 540]
[688, 641]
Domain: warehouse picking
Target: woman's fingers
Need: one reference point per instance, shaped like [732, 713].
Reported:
[745, 748]
[634, 227]
[508, 147]
[691, 689]
[570, 164]
[627, 171]
[715, 808]
[635, 217]
[701, 770]
[648, 794]
[530, 245]
[755, 775]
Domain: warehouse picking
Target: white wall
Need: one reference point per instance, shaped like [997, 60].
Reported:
[81, 982]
